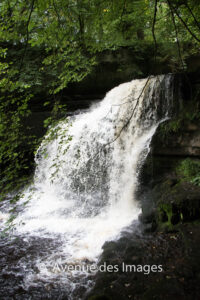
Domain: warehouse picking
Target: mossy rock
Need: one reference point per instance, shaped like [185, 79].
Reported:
[176, 203]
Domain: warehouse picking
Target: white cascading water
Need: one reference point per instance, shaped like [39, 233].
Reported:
[87, 174]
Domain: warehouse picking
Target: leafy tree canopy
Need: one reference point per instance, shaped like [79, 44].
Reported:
[46, 44]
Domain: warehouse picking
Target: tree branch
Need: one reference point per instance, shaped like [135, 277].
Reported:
[153, 30]
[176, 31]
[27, 33]
[57, 14]
[190, 10]
[123, 11]
[132, 113]
[125, 125]
[185, 25]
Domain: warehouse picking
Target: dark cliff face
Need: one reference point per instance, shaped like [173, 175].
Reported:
[171, 170]
[169, 149]
[180, 144]
[180, 135]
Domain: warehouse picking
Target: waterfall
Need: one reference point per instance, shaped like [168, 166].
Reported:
[86, 175]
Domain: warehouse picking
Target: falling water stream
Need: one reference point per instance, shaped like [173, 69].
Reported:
[86, 176]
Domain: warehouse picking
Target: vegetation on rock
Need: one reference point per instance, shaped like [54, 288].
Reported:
[189, 170]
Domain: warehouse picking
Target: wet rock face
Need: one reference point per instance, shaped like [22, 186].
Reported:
[176, 251]
[186, 142]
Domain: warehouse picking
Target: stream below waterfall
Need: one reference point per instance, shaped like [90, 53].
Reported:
[83, 194]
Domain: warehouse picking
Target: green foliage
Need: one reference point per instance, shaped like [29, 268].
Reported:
[16, 148]
[172, 126]
[189, 170]
[47, 44]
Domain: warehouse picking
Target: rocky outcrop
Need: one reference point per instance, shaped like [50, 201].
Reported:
[176, 251]
[185, 142]
[174, 198]
[176, 203]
